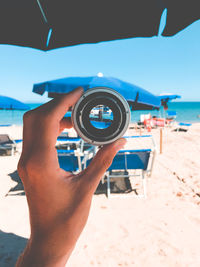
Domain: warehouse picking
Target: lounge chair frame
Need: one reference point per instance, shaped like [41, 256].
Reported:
[143, 171]
[7, 145]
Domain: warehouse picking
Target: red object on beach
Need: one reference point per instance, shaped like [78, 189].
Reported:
[148, 124]
[158, 122]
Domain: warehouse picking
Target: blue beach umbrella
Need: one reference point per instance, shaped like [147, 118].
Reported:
[165, 98]
[168, 97]
[138, 98]
[9, 103]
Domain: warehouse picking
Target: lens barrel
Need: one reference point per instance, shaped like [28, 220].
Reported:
[104, 100]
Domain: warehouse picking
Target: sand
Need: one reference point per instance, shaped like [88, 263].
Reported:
[162, 230]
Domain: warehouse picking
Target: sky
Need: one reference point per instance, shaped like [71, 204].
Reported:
[158, 64]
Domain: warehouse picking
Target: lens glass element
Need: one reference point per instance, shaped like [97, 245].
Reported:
[101, 117]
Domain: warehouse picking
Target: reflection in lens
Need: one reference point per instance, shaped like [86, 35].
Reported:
[101, 117]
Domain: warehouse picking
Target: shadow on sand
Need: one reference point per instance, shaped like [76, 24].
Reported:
[117, 185]
[120, 185]
[11, 247]
[180, 130]
[18, 189]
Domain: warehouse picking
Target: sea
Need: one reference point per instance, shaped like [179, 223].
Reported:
[185, 111]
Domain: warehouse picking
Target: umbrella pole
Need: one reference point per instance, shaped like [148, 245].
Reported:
[140, 130]
[136, 128]
[161, 140]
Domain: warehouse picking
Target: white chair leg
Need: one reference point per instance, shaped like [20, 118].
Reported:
[79, 163]
[144, 184]
[108, 186]
[12, 151]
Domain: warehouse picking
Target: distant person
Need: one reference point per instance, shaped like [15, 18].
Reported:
[59, 202]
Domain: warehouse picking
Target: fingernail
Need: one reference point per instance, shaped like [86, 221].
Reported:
[120, 143]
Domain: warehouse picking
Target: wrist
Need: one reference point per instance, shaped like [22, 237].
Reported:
[40, 255]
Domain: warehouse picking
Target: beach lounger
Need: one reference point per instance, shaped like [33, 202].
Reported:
[7, 145]
[144, 117]
[139, 160]
[135, 162]
[144, 142]
[171, 114]
[69, 160]
[183, 127]
[129, 160]
[74, 160]
[150, 122]
[64, 141]
[5, 125]
[171, 118]
[158, 122]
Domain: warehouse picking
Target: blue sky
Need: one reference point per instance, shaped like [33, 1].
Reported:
[158, 64]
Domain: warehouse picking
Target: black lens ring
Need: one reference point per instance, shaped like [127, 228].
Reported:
[81, 120]
[83, 117]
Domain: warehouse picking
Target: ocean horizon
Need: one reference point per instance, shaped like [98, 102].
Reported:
[187, 111]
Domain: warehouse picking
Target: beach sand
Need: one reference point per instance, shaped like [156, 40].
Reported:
[162, 230]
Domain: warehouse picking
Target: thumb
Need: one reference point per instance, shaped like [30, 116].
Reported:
[101, 162]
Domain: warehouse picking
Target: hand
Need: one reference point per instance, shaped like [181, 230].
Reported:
[59, 202]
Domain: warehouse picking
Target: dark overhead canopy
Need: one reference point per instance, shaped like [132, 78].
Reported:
[76, 22]
[22, 23]
[180, 14]
[48, 24]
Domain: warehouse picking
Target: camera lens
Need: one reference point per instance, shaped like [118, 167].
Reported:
[101, 116]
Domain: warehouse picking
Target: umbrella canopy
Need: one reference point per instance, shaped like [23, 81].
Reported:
[168, 97]
[46, 24]
[165, 98]
[11, 103]
[138, 98]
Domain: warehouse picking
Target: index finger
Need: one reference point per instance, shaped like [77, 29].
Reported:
[41, 125]
[58, 106]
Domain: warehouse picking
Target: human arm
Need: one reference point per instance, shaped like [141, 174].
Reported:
[59, 202]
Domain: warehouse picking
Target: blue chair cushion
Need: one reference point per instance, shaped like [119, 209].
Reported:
[133, 160]
[171, 113]
[138, 136]
[18, 141]
[5, 125]
[69, 139]
[130, 160]
[67, 160]
[184, 124]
